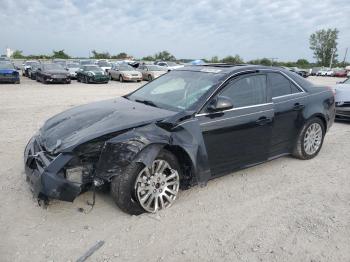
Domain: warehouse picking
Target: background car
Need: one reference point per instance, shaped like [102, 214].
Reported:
[170, 65]
[341, 73]
[124, 72]
[92, 74]
[150, 72]
[8, 73]
[52, 73]
[32, 71]
[72, 68]
[329, 73]
[28, 65]
[105, 65]
[342, 99]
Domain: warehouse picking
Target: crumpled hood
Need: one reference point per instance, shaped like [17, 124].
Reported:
[81, 124]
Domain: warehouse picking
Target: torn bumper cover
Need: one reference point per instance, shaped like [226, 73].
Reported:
[44, 173]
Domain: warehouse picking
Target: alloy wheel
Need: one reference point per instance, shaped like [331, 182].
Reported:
[313, 138]
[156, 187]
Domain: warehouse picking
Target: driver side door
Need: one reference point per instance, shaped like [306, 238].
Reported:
[239, 137]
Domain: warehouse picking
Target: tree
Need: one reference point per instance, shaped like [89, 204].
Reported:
[17, 54]
[148, 58]
[98, 55]
[60, 54]
[302, 63]
[232, 59]
[164, 56]
[214, 59]
[121, 55]
[324, 45]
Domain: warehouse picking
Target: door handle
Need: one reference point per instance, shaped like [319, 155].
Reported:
[263, 121]
[298, 106]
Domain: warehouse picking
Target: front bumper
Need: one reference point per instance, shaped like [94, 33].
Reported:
[9, 79]
[57, 79]
[99, 79]
[132, 78]
[342, 112]
[44, 173]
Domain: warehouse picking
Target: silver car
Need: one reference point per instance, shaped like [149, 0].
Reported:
[124, 72]
[72, 68]
[150, 72]
[342, 99]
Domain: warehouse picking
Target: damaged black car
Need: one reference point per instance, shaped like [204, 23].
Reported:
[188, 126]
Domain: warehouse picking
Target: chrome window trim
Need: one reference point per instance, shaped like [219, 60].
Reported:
[218, 120]
[234, 109]
[224, 82]
[302, 90]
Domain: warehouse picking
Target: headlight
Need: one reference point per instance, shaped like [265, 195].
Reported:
[75, 174]
[89, 74]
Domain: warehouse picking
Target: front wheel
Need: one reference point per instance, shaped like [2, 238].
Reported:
[121, 78]
[310, 139]
[147, 189]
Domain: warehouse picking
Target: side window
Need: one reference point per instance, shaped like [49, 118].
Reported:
[247, 91]
[281, 86]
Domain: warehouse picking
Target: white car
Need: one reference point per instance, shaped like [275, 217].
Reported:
[170, 65]
[72, 68]
[342, 99]
[329, 73]
[105, 65]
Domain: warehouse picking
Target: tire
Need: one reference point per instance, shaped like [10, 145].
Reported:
[17, 81]
[150, 78]
[300, 146]
[123, 186]
[78, 79]
[121, 79]
[138, 81]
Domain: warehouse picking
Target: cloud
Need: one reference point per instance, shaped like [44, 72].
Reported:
[197, 29]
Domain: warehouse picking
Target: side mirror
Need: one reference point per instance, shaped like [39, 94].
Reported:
[221, 103]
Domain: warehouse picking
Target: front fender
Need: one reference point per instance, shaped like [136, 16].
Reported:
[144, 143]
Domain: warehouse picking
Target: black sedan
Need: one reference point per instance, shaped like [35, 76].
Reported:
[182, 129]
[8, 73]
[52, 73]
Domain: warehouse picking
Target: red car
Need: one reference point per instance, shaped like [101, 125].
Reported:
[341, 73]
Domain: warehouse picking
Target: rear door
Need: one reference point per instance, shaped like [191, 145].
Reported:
[288, 102]
[240, 136]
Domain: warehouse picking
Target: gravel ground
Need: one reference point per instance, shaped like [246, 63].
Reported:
[283, 210]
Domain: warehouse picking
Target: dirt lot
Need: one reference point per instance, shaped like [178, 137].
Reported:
[284, 210]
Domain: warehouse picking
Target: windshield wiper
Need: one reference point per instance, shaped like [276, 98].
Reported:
[146, 102]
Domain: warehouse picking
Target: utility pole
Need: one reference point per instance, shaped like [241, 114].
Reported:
[346, 52]
[272, 59]
[330, 64]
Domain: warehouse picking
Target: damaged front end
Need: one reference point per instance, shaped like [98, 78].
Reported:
[66, 174]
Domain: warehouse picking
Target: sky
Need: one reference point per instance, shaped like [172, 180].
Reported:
[188, 29]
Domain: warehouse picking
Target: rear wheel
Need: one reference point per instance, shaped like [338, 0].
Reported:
[150, 78]
[121, 78]
[147, 189]
[310, 139]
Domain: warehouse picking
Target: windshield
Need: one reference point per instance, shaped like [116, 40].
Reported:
[92, 68]
[53, 67]
[31, 63]
[6, 66]
[176, 90]
[156, 68]
[126, 68]
[72, 65]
